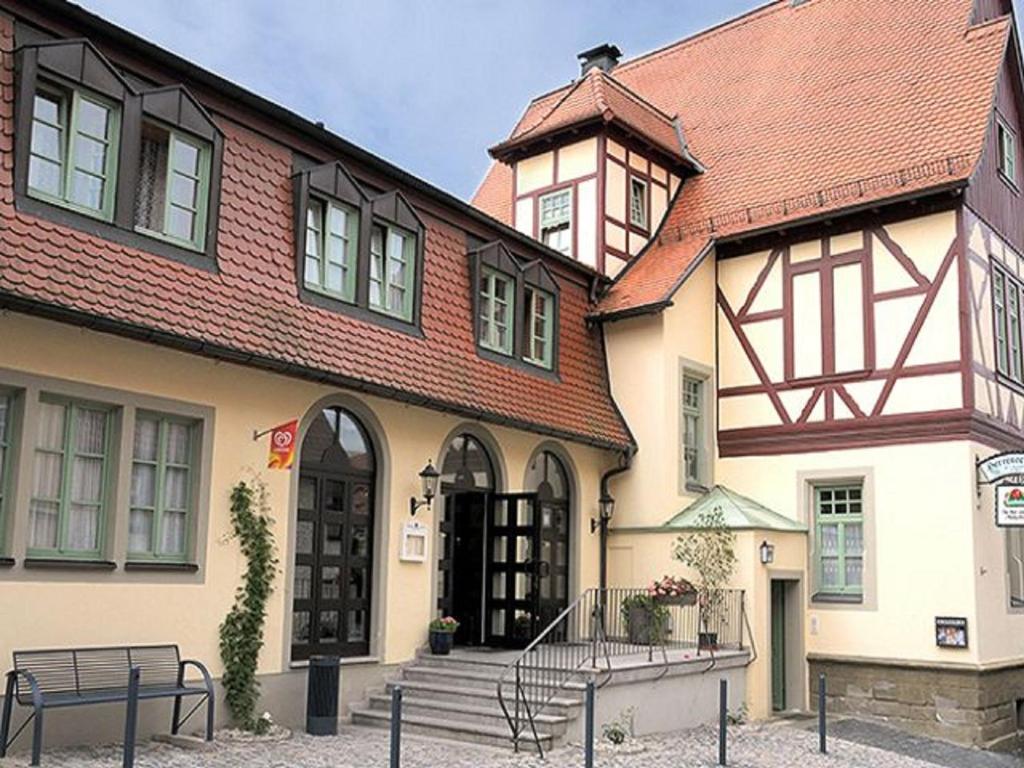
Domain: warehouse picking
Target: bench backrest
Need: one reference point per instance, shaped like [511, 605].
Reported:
[81, 670]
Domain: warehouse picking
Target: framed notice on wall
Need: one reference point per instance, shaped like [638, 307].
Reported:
[1010, 505]
[950, 632]
[414, 542]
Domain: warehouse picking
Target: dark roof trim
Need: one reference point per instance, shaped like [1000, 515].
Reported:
[228, 354]
[653, 308]
[72, 14]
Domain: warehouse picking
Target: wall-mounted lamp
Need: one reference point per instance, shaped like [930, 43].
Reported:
[428, 477]
[767, 553]
[606, 508]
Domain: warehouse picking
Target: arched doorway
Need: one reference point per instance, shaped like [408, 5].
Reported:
[467, 483]
[334, 538]
[547, 477]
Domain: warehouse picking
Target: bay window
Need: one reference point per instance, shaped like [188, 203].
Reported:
[68, 502]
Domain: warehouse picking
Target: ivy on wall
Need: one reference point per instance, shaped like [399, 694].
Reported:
[241, 634]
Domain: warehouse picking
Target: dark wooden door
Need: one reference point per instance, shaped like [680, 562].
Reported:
[512, 605]
[778, 628]
[333, 546]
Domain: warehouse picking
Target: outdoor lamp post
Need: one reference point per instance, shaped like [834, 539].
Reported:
[767, 553]
[428, 477]
[605, 510]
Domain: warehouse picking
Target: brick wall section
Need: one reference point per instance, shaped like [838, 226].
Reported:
[964, 706]
[251, 304]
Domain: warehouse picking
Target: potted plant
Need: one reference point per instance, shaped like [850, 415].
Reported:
[671, 590]
[646, 619]
[709, 549]
[442, 635]
[522, 629]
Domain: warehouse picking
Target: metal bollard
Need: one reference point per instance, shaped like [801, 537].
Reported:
[723, 714]
[131, 717]
[588, 738]
[396, 726]
[822, 700]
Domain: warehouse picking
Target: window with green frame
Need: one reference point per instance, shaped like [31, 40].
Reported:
[392, 271]
[161, 491]
[73, 150]
[839, 531]
[6, 408]
[539, 327]
[331, 235]
[67, 511]
[497, 308]
[173, 187]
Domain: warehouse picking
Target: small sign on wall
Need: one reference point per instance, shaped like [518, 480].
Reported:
[1010, 505]
[414, 542]
[950, 632]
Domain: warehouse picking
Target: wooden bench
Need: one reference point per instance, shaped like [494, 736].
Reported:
[78, 676]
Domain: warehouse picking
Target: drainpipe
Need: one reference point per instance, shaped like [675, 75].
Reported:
[603, 521]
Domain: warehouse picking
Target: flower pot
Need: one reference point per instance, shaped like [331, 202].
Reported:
[643, 626]
[707, 641]
[441, 642]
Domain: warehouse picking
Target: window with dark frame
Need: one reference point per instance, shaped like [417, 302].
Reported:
[161, 504]
[1007, 147]
[638, 202]
[1006, 316]
[556, 220]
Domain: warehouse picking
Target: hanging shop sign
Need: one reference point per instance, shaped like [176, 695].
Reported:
[950, 632]
[1000, 466]
[1009, 505]
[282, 444]
[1006, 471]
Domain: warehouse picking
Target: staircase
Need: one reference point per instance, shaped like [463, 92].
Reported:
[455, 697]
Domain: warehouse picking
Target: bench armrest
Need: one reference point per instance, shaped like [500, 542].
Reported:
[33, 685]
[202, 671]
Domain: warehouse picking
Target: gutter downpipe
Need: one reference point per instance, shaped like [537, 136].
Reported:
[626, 462]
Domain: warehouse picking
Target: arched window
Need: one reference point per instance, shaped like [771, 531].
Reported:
[466, 467]
[334, 538]
[546, 475]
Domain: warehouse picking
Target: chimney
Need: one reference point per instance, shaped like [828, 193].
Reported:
[604, 57]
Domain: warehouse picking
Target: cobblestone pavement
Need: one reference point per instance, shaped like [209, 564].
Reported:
[752, 746]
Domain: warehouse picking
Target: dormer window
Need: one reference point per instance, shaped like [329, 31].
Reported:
[516, 309]
[73, 152]
[1007, 152]
[556, 220]
[539, 326]
[497, 306]
[638, 203]
[331, 238]
[392, 270]
[173, 186]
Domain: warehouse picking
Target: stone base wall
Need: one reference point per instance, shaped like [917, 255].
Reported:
[971, 707]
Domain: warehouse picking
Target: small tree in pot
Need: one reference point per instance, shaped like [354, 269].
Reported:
[709, 550]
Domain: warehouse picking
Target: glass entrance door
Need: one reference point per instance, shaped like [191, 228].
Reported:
[512, 605]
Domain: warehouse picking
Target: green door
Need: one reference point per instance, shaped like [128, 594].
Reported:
[778, 645]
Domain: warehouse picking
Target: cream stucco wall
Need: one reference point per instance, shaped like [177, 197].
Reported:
[41, 608]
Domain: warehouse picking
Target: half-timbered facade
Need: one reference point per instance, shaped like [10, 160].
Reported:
[827, 324]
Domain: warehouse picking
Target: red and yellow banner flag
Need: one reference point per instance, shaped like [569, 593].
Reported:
[282, 445]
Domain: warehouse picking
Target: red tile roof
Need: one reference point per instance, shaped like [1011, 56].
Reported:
[797, 111]
[250, 310]
[597, 96]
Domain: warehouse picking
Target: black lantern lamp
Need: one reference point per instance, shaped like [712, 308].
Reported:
[606, 508]
[767, 553]
[428, 477]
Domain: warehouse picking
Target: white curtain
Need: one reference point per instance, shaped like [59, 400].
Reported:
[48, 469]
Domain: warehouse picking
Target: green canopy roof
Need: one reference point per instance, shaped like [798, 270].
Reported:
[740, 513]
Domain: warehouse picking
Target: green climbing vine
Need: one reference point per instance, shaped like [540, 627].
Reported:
[241, 634]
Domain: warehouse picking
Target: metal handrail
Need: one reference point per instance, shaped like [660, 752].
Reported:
[600, 624]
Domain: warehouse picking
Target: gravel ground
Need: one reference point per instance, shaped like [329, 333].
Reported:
[750, 746]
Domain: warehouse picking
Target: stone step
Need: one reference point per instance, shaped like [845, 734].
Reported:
[488, 678]
[452, 691]
[492, 715]
[448, 728]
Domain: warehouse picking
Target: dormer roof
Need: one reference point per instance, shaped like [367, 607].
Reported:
[597, 98]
